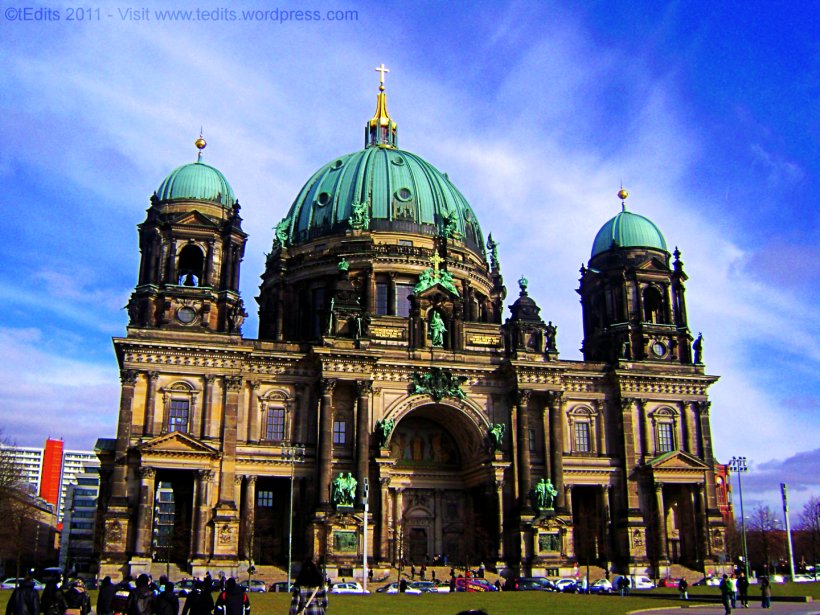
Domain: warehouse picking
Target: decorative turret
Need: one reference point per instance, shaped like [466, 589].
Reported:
[633, 301]
[192, 245]
[525, 332]
[380, 130]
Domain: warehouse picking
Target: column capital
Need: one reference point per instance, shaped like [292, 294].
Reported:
[152, 376]
[128, 377]
[250, 479]
[233, 383]
[703, 407]
[364, 387]
[237, 480]
[658, 487]
[254, 384]
[326, 385]
[147, 473]
[205, 476]
[499, 485]
[554, 398]
[209, 379]
[522, 397]
[384, 481]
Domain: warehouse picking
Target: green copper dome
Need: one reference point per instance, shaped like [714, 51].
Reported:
[628, 230]
[196, 182]
[380, 189]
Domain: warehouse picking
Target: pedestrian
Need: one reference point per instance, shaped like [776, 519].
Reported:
[53, 600]
[743, 590]
[402, 586]
[141, 600]
[105, 597]
[683, 588]
[412, 572]
[24, 599]
[309, 596]
[199, 601]
[167, 602]
[77, 599]
[726, 594]
[232, 600]
[370, 575]
[733, 582]
[765, 593]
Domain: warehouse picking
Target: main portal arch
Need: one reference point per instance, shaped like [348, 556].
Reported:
[442, 497]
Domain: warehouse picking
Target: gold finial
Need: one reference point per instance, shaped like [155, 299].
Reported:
[436, 260]
[622, 194]
[381, 70]
[200, 145]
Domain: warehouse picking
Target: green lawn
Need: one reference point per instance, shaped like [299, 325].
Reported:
[501, 603]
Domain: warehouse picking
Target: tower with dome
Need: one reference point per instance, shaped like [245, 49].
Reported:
[386, 357]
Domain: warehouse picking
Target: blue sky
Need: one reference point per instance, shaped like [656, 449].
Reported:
[708, 113]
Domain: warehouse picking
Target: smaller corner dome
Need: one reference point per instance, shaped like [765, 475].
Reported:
[628, 230]
[196, 181]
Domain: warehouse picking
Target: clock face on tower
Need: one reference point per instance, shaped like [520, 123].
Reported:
[658, 349]
[186, 315]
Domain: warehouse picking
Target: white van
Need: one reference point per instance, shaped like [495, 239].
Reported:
[639, 582]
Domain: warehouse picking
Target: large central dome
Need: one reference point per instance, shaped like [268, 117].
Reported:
[381, 189]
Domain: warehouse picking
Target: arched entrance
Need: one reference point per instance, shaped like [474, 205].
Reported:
[442, 496]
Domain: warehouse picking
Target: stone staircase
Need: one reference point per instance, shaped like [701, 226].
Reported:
[676, 571]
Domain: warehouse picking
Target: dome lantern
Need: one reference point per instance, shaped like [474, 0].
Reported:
[380, 130]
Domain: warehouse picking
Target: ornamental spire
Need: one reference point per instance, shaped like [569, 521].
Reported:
[380, 130]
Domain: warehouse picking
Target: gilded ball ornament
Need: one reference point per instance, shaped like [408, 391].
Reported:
[200, 143]
[622, 194]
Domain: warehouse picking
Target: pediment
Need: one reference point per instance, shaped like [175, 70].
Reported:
[176, 444]
[653, 264]
[437, 293]
[677, 460]
[194, 218]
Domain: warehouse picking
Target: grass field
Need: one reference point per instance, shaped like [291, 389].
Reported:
[500, 603]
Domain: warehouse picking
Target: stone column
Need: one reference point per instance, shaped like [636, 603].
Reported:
[209, 260]
[391, 294]
[227, 492]
[703, 535]
[545, 427]
[600, 419]
[606, 522]
[172, 262]
[662, 536]
[631, 455]
[568, 500]
[363, 388]
[128, 379]
[556, 421]
[499, 495]
[524, 461]
[254, 418]
[326, 441]
[370, 284]
[384, 501]
[203, 481]
[249, 515]
[207, 405]
[145, 512]
[437, 523]
[148, 428]
[647, 440]
[398, 523]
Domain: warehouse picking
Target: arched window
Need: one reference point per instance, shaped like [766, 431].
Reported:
[191, 266]
[179, 401]
[664, 421]
[583, 429]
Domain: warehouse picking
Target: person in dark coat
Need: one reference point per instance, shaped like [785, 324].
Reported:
[105, 597]
[199, 601]
[308, 596]
[765, 593]
[726, 592]
[167, 602]
[233, 600]
[141, 600]
[77, 598]
[53, 600]
[743, 590]
[24, 599]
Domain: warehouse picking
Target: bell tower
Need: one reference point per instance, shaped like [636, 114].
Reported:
[632, 296]
[191, 245]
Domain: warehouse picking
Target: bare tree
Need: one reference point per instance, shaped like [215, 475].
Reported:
[11, 491]
[809, 531]
[766, 542]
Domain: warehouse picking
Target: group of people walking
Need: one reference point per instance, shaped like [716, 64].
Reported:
[735, 589]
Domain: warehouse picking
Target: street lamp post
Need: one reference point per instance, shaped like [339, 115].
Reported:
[295, 454]
[365, 492]
[783, 490]
[738, 466]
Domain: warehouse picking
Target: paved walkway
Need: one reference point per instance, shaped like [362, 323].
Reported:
[778, 608]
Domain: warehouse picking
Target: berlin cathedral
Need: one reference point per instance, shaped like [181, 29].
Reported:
[387, 370]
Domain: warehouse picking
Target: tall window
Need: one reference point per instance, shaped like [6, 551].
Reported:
[666, 437]
[403, 292]
[339, 432]
[264, 499]
[275, 424]
[381, 299]
[531, 439]
[178, 419]
[582, 444]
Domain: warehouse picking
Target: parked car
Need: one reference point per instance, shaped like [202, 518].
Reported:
[567, 586]
[474, 585]
[184, 587]
[639, 582]
[254, 586]
[13, 582]
[710, 581]
[393, 588]
[348, 587]
[426, 587]
[279, 586]
[531, 584]
[803, 578]
[601, 586]
[668, 582]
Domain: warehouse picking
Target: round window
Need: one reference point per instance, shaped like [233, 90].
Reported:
[337, 164]
[404, 194]
[323, 198]
[397, 160]
[186, 315]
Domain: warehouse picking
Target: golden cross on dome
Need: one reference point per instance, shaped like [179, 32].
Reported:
[381, 70]
[436, 260]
